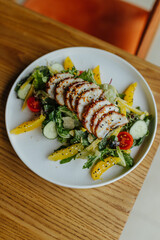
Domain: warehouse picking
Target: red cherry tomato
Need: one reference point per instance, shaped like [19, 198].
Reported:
[80, 72]
[33, 104]
[126, 140]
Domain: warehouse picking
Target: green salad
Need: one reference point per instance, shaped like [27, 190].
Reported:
[93, 121]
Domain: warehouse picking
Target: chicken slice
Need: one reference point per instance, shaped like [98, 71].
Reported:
[86, 98]
[100, 113]
[51, 84]
[78, 90]
[90, 110]
[69, 91]
[60, 89]
[108, 122]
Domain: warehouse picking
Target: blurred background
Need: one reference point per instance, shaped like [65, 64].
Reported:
[132, 25]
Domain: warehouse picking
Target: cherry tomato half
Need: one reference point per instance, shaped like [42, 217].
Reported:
[33, 104]
[80, 72]
[126, 140]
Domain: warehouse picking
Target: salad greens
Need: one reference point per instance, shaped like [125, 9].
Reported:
[110, 92]
[40, 77]
[72, 71]
[90, 161]
[66, 160]
[88, 76]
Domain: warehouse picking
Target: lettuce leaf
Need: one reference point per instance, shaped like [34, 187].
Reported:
[41, 76]
[80, 137]
[88, 76]
[110, 92]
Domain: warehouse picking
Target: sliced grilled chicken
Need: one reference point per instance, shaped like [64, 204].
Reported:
[90, 110]
[60, 90]
[86, 98]
[78, 90]
[100, 113]
[108, 122]
[51, 84]
[69, 91]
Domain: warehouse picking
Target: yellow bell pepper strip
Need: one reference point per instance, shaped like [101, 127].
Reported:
[99, 168]
[26, 82]
[129, 92]
[28, 126]
[66, 153]
[29, 94]
[83, 129]
[96, 72]
[132, 109]
[68, 64]
[122, 108]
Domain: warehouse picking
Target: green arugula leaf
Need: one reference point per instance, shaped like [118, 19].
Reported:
[108, 152]
[80, 136]
[103, 143]
[88, 76]
[66, 160]
[62, 132]
[138, 142]
[89, 162]
[110, 142]
[128, 159]
[147, 119]
[67, 112]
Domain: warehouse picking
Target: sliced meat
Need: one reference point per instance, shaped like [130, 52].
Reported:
[78, 90]
[69, 91]
[51, 84]
[90, 110]
[86, 98]
[100, 113]
[108, 122]
[60, 89]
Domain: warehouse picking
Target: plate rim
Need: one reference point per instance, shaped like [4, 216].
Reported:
[119, 58]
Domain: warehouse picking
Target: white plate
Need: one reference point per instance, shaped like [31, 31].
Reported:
[33, 149]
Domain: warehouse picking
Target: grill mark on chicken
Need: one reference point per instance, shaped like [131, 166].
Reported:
[77, 92]
[69, 91]
[51, 84]
[90, 110]
[86, 98]
[108, 122]
[105, 109]
[60, 90]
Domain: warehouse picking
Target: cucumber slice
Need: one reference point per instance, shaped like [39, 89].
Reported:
[22, 92]
[49, 131]
[68, 122]
[139, 129]
[56, 68]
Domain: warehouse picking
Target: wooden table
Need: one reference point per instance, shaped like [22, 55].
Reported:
[30, 207]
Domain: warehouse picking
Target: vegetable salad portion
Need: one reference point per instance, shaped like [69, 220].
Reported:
[92, 120]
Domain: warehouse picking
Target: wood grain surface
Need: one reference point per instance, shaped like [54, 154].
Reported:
[30, 207]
